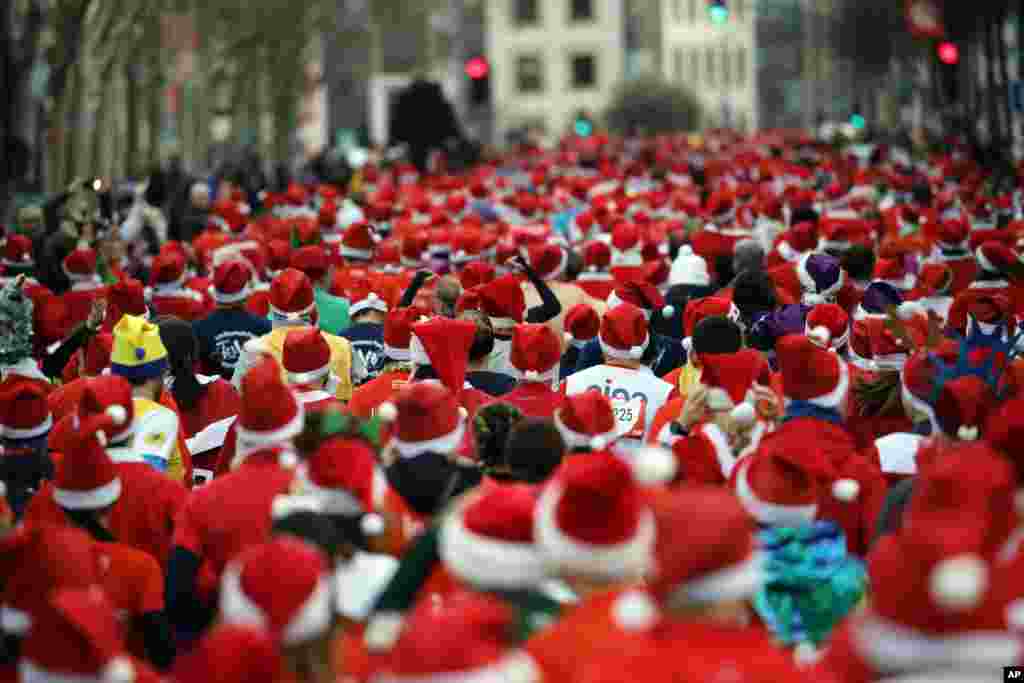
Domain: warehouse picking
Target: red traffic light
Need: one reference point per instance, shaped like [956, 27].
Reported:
[949, 53]
[477, 68]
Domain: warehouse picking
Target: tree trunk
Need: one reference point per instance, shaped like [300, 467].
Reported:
[131, 119]
[991, 94]
[1004, 79]
[74, 124]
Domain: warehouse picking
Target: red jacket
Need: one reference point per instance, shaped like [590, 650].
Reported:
[534, 399]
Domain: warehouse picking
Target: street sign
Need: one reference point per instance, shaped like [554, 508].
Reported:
[1017, 96]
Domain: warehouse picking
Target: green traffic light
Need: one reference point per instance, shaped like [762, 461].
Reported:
[858, 121]
[719, 14]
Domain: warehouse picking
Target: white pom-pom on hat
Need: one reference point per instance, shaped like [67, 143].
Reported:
[372, 524]
[592, 269]
[598, 443]
[967, 433]
[820, 335]
[387, 411]
[668, 311]
[119, 670]
[805, 654]
[846, 490]
[531, 375]
[744, 414]
[463, 412]
[383, 631]
[117, 413]
[635, 611]
[101, 438]
[1015, 615]
[959, 583]
[652, 465]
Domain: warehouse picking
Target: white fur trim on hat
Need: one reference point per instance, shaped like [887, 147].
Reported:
[633, 353]
[30, 672]
[846, 490]
[547, 376]
[734, 582]
[313, 619]
[516, 667]
[332, 501]
[309, 377]
[888, 646]
[771, 513]
[293, 315]
[32, 432]
[629, 559]
[287, 505]
[119, 670]
[282, 434]
[361, 254]
[382, 631]
[487, 563]
[574, 439]
[14, 621]
[232, 298]
[984, 262]
[441, 444]
[95, 499]
[371, 303]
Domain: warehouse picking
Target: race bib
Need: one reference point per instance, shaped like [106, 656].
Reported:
[630, 418]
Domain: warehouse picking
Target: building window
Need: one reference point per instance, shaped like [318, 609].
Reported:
[741, 67]
[694, 66]
[709, 65]
[529, 78]
[525, 12]
[726, 68]
[581, 10]
[677, 63]
[584, 71]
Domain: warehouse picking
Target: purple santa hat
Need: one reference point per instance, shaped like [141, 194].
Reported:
[821, 278]
[877, 299]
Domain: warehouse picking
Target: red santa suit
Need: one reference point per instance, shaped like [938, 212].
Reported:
[367, 398]
[78, 301]
[206, 424]
[179, 302]
[598, 285]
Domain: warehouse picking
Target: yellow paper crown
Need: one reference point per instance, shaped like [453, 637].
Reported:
[138, 351]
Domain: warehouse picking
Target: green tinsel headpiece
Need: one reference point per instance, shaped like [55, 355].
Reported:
[15, 324]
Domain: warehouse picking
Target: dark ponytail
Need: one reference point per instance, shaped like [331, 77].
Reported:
[182, 350]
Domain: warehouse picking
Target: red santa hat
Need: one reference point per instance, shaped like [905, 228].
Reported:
[270, 415]
[549, 260]
[706, 551]
[109, 395]
[466, 639]
[963, 406]
[96, 357]
[996, 257]
[278, 253]
[388, 258]
[953, 233]
[626, 237]
[17, 251]
[798, 240]
[87, 479]
[231, 282]
[312, 260]
[443, 344]
[398, 332]
[592, 520]
[782, 483]
[833, 318]
[892, 271]
[127, 296]
[80, 264]
[76, 637]
[624, 333]
[582, 323]
[231, 654]
[810, 372]
[934, 280]
[488, 541]
[721, 207]
[427, 418]
[293, 605]
[358, 242]
[689, 268]
[364, 299]
[536, 351]
[597, 257]
[503, 301]
[644, 296]
[467, 245]
[306, 356]
[342, 476]
[24, 412]
[729, 377]
[476, 273]
[291, 295]
[919, 375]
[168, 269]
[586, 421]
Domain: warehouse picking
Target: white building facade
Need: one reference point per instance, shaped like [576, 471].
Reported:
[716, 61]
[552, 60]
